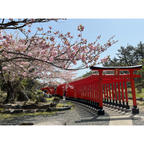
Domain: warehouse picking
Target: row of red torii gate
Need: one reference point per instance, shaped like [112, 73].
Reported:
[109, 85]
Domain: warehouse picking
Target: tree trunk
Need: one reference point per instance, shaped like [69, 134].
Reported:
[10, 93]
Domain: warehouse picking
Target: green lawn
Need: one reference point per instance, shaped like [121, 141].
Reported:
[138, 95]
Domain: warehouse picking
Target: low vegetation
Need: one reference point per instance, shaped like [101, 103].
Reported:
[138, 94]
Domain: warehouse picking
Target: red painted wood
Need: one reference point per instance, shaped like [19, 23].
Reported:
[99, 87]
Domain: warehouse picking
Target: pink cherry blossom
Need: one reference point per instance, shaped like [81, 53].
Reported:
[52, 38]
[39, 29]
[30, 54]
[29, 30]
[51, 59]
[47, 55]
[24, 74]
[80, 28]
[4, 68]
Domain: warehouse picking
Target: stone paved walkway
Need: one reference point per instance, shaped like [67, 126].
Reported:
[80, 115]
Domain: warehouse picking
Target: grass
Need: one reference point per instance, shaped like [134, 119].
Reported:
[138, 95]
[60, 105]
[64, 104]
[1, 109]
[11, 116]
[50, 99]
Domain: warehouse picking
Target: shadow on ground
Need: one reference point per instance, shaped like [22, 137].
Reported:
[27, 119]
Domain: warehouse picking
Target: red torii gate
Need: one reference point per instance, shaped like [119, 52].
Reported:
[113, 88]
[49, 90]
[100, 88]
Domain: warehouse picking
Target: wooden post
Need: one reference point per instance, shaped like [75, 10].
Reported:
[100, 111]
[135, 110]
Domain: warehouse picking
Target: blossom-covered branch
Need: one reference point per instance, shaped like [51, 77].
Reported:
[20, 23]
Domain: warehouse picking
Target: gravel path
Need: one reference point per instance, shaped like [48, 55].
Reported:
[80, 115]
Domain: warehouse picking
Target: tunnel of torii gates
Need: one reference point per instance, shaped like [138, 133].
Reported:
[107, 85]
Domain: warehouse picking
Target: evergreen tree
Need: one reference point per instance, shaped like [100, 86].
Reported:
[129, 56]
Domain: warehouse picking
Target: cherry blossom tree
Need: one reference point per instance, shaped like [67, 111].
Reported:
[21, 23]
[45, 54]
[66, 77]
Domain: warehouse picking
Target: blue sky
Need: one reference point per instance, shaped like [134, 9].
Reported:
[126, 31]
